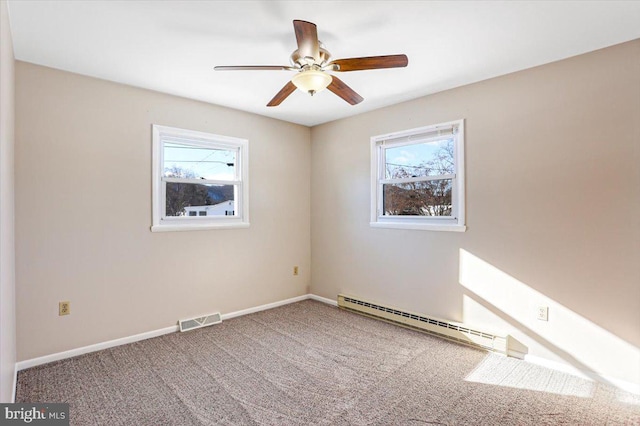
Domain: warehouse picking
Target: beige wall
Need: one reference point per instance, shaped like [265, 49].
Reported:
[553, 212]
[7, 241]
[552, 158]
[83, 215]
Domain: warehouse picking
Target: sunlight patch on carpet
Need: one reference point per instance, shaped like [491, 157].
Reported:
[627, 398]
[500, 371]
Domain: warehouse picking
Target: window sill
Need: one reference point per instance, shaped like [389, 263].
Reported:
[419, 226]
[198, 227]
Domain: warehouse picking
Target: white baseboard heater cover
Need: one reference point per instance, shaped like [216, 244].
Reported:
[193, 323]
[449, 330]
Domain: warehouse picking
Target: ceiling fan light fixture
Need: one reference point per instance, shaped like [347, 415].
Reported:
[311, 81]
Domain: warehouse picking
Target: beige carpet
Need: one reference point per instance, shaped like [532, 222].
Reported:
[311, 364]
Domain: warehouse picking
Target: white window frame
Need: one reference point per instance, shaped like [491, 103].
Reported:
[379, 144]
[161, 222]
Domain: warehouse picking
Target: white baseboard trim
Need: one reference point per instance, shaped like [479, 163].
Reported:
[15, 383]
[323, 299]
[624, 385]
[22, 365]
[264, 307]
[93, 348]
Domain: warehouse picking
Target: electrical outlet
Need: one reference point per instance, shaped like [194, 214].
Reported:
[295, 270]
[64, 308]
[543, 313]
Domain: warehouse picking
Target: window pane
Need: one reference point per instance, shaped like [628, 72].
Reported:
[192, 162]
[423, 159]
[193, 199]
[430, 198]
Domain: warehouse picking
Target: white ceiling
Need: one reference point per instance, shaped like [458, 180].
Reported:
[172, 46]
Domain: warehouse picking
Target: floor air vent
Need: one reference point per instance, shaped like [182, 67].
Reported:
[449, 330]
[193, 323]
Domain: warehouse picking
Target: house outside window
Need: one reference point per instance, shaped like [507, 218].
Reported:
[417, 178]
[200, 180]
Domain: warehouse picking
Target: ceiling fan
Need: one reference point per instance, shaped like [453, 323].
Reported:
[312, 62]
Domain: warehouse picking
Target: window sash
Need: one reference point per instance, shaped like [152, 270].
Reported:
[163, 135]
[416, 179]
[203, 181]
[380, 207]
[237, 199]
[380, 144]
[381, 181]
[164, 139]
[384, 145]
[237, 183]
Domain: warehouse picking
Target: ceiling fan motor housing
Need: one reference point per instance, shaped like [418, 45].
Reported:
[298, 60]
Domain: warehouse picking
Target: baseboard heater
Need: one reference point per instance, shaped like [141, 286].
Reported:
[449, 330]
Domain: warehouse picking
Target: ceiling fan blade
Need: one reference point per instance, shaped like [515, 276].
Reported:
[307, 38]
[371, 63]
[338, 87]
[252, 68]
[288, 89]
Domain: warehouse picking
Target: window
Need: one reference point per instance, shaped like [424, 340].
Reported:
[417, 178]
[198, 180]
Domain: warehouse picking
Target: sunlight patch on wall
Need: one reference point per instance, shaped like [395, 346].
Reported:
[496, 299]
